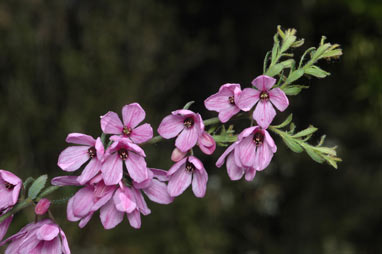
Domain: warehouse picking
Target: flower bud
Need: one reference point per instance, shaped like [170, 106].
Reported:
[42, 206]
[177, 155]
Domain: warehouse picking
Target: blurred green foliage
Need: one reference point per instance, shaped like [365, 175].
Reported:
[65, 63]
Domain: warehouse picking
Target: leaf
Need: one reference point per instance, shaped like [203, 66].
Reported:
[311, 129]
[275, 48]
[288, 63]
[289, 40]
[316, 71]
[293, 89]
[315, 156]
[332, 53]
[188, 104]
[293, 145]
[327, 150]
[274, 70]
[285, 123]
[37, 186]
[293, 76]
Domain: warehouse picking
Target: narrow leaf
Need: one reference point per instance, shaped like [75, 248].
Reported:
[293, 76]
[311, 129]
[316, 71]
[293, 89]
[285, 123]
[315, 156]
[187, 106]
[293, 145]
[37, 186]
[274, 70]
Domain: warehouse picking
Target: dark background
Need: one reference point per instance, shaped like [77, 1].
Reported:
[65, 63]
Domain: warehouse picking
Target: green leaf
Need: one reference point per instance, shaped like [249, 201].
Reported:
[315, 156]
[188, 104]
[293, 89]
[311, 129]
[332, 53]
[293, 76]
[293, 145]
[275, 48]
[285, 123]
[37, 186]
[27, 182]
[289, 40]
[327, 150]
[317, 72]
[274, 70]
[288, 63]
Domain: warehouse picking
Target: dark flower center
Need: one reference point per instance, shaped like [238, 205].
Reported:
[122, 154]
[9, 186]
[189, 122]
[190, 167]
[231, 100]
[92, 152]
[258, 138]
[264, 96]
[126, 131]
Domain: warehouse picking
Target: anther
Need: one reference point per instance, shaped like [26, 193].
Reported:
[190, 167]
[9, 186]
[258, 138]
[189, 122]
[122, 154]
[126, 131]
[264, 95]
[92, 152]
[231, 100]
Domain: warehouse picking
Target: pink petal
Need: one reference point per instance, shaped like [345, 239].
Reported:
[112, 169]
[47, 232]
[264, 114]
[136, 166]
[234, 172]
[90, 171]
[142, 133]
[263, 82]
[220, 100]
[269, 140]
[42, 206]
[263, 157]
[124, 200]
[132, 115]
[134, 219]
[247, 150]
[176, 166]
[222, 157]
[69, 211]
[248, 98]
[82, 202]
[227, 113]
[179, 182]
[177, 155]
[85, 220]
[157, 192]
[51, 247]
[141, 203]
[187, 139]
[246, 132]
[65, 180]
[196, 162]
[279, 99]
[133, 147]
[73, 157]
[81, 139]
[160, 174]
[105, 195]
[5, 224]
[10, 177]
[170, 126]
[100, 149]
[146, 183]
[199, 182]
[110, 216]
[206, 143]
[111, 124]
[29, 244]
[64, 241]
[250, 174]
[236, 154]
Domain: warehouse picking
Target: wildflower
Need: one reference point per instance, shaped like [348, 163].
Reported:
[252, 152]
[182, 173]
[42, 237]
[206, 143]
[187, 124]
[264, 96]
[73, 157]
[42, 206]
[224, 101]
[132, 115]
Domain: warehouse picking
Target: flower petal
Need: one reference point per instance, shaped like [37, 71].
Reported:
[264, 114]
[90, 171]
[247, 150]
[80, 139]
[248, 98]
[234, 172]
[64, 242]
[268, 139]
[132, 115]
[176, 166]
[279, 99]
[263, 82]
[73, 157]
[179, 182]
[5, 224]
[157, 192]
[110, 216]
[136, 166]
[160, 174]
[84, 221]
[250, 174]
[134, 219]
[82, 202]
[227, 113]
[111, 124]
[199, 182]
[69, 211]
[141, 203]
[142, 133]
[206, 143]
[51, 247]
[65, 180]
[47, 232]
[222, 157]
[263, 157]
[170, 126]
[124, 200]
[220, 100]
[187, 139]
[112, 169]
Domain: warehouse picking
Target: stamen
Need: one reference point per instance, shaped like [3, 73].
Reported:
[264, 96]
[190, 167]
[122, 154]
[231, 100]
[258, 138]
[126, 131]
[92, 152]
[189, 122]
[9, 186]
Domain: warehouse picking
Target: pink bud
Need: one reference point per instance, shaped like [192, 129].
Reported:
[42, 206]
[207, 143]
[177, 155]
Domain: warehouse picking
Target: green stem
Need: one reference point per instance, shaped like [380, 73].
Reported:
[20, 206]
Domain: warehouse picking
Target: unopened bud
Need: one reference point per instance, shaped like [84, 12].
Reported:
[42, 206]
[177, 155]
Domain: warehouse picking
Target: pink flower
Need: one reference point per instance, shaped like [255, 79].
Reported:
[265, 96]
[73, 157]
[42, 237]
[187, 124]
[123, 151]
[42, 206]
[132, 115]
[206, 143]
[10, 186]
[182, 173]
[253, 151]
[177, 155]
[224, 101]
